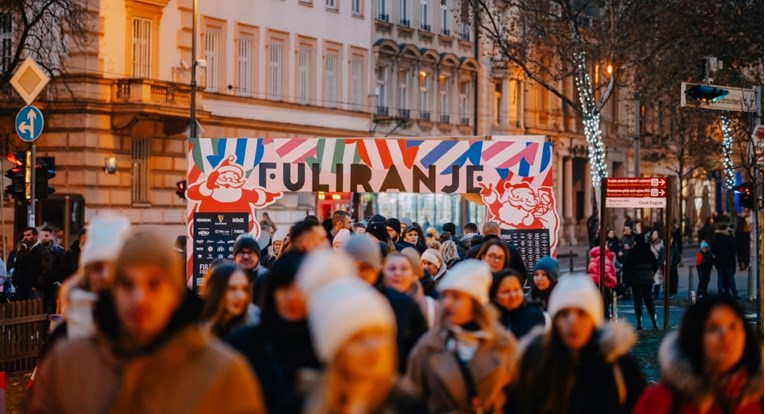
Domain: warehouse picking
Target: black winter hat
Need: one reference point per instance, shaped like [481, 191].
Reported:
[394, 224]
[377, 219]
[378, 230]
[246, 241]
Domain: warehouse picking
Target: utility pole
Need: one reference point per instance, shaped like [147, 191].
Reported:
[636, 147]
[193, 117]
[755, 272]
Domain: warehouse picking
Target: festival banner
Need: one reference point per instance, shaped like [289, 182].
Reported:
[512, 174]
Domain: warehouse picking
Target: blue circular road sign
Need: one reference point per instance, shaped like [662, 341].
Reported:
[29, 123]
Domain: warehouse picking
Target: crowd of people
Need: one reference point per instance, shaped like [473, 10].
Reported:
[375, 317]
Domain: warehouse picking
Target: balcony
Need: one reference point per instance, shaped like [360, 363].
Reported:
[404, 114]
[425, 27]
[464, 121]
[147, 91]
[444, 119]
[424, 116]
[445, 32]
[405, 22]
[465, 36]
[383, 17]
[382, 110]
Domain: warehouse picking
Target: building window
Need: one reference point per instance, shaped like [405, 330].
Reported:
[464, 109]
[443, 98]
[382, 88]
[245, 64]
[305, 58]
[6, 41]
[424, 21]
[356, 7]
[465, 30]
[140, 173]
[357, 82]
[332, 4]
[382, 10]
[331, 76]
[445, 29]
[213, 54]
[496, 107]
[141, 48]
[424, 84]
[275, 64]
[404, 13]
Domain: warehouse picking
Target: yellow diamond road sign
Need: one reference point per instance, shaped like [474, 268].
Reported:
[29, 80]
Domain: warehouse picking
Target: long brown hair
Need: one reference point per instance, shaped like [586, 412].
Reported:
[495, 242]
[213, 292]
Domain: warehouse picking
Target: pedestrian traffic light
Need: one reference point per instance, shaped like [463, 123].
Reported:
[706, 93]
[44, 171]
[746, 195]
[16, 175]
[181, 189]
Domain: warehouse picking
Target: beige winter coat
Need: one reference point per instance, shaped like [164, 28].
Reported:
[190, 373]
[434, 373]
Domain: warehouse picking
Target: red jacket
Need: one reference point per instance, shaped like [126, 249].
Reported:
[593, 269]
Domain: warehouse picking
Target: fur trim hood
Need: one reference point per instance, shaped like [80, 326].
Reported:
[615, 340]
[677, 372]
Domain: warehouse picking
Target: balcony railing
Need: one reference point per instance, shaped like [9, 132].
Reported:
[465, 36]
[405, 22]
[382, 110]
[147, 91]
[446, 32]
[444, 119]
[383, 17]
[424, 116]
[425, 27]
[403, 114]
[464, 121]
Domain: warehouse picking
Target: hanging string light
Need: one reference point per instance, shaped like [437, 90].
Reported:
[591, 118]
[730, 173]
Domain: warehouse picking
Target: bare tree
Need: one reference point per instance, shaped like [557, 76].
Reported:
[554, 40]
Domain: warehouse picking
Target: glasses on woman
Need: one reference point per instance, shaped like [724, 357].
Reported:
[495, 258]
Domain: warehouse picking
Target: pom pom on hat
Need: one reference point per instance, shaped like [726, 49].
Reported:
[577, 292]
[341, 309]
[472, 277]
[364, 249]
[105, 237]
[323, 267]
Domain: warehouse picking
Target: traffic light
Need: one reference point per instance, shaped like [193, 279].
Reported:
[44, 171]
[706, 94]
[746, 195]
[16, 175]
[181, 189]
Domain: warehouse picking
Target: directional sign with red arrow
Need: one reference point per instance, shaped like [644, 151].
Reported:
[636, 192]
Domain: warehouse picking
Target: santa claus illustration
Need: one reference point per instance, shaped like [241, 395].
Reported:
[223, 191]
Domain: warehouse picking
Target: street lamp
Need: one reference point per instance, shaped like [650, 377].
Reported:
[193, 116]
[636, 144]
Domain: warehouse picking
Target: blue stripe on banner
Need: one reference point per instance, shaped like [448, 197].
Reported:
[413, 143]
[523, 167]
[241, 150]
[546, 152]
[219, 152]
[437, 152]
[260, 149]
[503, 172]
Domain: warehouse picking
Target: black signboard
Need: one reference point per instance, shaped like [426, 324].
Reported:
[214, 236]
[533, 244]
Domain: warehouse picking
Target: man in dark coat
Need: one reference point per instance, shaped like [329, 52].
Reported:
[247, 256]
[639, 267]
[70, 262]
[491, 231]
[724, 250]
[33, 267]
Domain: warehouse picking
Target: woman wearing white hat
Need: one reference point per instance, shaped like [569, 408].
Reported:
[580, 366]
[464, 364]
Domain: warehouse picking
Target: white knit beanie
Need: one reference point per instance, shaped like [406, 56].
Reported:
[472, 277]
[323, 267]
[105, 237]
[575, 291]
[341, 309]
[432, 256]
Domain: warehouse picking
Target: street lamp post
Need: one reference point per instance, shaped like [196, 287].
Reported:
[636, 145]
[193, 117]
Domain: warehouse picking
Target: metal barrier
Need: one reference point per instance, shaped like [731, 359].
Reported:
[23, 327]
[570, 256]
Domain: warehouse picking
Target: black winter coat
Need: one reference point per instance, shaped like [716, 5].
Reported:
[724, 248]
[276, 352]
[33, 268]
[640, 265]
[70, 262]
[521, 320]
[410, 324]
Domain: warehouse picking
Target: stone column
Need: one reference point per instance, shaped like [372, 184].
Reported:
[503, 105]
[587, 181]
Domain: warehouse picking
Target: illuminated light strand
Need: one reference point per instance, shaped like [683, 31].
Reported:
[730, 173]
[591, 117]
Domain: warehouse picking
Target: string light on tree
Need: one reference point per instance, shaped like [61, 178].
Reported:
[730, 173]
[591, 118]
